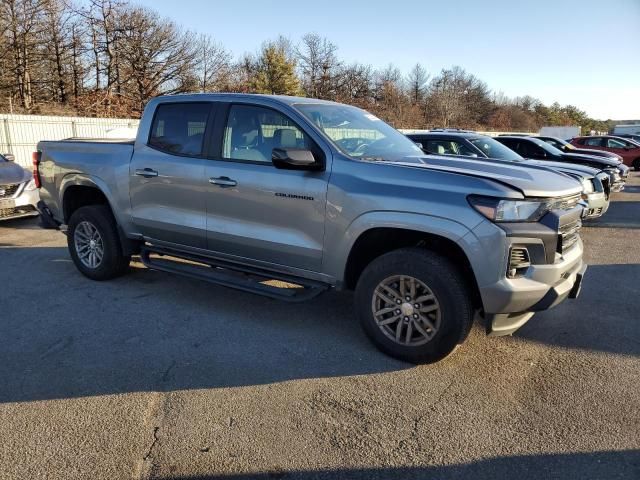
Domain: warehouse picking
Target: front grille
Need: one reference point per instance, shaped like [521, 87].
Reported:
[606, 184]
[16, 211]
[569, 235]
[8, 191]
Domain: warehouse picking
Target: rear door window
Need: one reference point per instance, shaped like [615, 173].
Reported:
[179, 128]
[593, 142]
[613, 143]
[447, 147]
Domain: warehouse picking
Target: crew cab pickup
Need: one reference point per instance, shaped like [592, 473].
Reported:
[289, 197]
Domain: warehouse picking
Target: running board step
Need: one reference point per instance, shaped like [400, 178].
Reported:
[231, 275]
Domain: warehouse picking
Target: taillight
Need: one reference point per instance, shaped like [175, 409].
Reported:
[35, 157]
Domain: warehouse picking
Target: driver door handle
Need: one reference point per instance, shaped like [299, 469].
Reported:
[223, 182]
[146, 172]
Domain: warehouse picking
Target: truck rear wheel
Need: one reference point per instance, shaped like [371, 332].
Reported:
[414, 305]
[636, 164]
[94, 244]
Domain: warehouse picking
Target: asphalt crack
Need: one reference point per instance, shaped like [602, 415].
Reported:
[153, 444]
[153, 420]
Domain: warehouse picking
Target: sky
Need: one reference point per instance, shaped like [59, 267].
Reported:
[585, 53]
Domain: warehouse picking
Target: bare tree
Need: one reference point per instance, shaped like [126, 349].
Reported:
[22, 22]
[57, 37]
[457, 98]
[355, 84]
[212, 65]
[319, 66]
[417, 84]
[156, 55]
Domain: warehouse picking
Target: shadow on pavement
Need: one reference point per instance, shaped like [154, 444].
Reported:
[603, 318]
[619, 215]
[64, 336]
[584, 466]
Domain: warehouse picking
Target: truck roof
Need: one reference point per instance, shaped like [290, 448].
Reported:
[285, 99]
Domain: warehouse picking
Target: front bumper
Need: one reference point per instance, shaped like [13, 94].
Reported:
[617, 186]
[597, 205]
[22, 204]
[521, 294]
[501, 324]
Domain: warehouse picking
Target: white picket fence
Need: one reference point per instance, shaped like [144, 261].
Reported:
[19, 134]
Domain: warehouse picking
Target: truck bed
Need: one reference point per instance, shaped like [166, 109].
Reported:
[120, 141]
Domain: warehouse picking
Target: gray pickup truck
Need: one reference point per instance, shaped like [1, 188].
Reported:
[289, 197]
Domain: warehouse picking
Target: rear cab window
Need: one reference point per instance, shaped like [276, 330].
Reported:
[179, 128]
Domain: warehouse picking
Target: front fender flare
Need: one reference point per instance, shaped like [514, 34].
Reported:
[428, 224]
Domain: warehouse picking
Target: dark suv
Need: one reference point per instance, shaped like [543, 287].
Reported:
[531, 147]
[596, 183]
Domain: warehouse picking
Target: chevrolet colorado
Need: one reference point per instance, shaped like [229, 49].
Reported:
[289, 197]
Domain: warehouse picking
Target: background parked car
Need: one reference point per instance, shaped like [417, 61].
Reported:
[626, 148]
[595, 183]
[530, 147]
[567, 147]
[629, 136]
[18, 192]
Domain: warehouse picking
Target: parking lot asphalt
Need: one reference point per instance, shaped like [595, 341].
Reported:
[157, 376]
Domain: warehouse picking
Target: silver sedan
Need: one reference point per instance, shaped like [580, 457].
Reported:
[18, 192]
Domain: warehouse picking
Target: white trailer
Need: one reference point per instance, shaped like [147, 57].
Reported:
[563, 133]
[628, 129]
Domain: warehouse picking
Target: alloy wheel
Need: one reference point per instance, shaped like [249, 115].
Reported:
[89, 245]
[406, 310]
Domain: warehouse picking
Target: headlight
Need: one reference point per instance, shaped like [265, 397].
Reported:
[500, 210]
[31, 185]
[587, 186]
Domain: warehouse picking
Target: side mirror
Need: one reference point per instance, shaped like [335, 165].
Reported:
[293, 159]
[9, 156]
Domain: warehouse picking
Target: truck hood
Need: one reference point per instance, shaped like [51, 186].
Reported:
[532, 181]
[11, 173]
[602, 162]
[594, 153]
[572, 168]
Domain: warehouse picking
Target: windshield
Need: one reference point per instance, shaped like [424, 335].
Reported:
[358, 133]
[557, 143]
[494, 149]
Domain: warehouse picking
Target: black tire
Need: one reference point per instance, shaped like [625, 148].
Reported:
[113, 263]
[445, 282]
[636, 164]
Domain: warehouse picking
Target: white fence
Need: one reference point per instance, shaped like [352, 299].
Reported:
[19, 134]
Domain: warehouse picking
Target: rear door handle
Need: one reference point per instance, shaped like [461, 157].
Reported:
[223, 182]
[146, 172]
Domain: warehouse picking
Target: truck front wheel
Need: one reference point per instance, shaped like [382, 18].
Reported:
[414, 305]
[94, 244]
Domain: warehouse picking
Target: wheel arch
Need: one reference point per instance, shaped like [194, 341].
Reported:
[443, 238]
[79, 190]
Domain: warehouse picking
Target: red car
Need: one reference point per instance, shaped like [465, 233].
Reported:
[627, 149]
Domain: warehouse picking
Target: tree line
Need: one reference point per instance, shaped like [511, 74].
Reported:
[107, 58]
